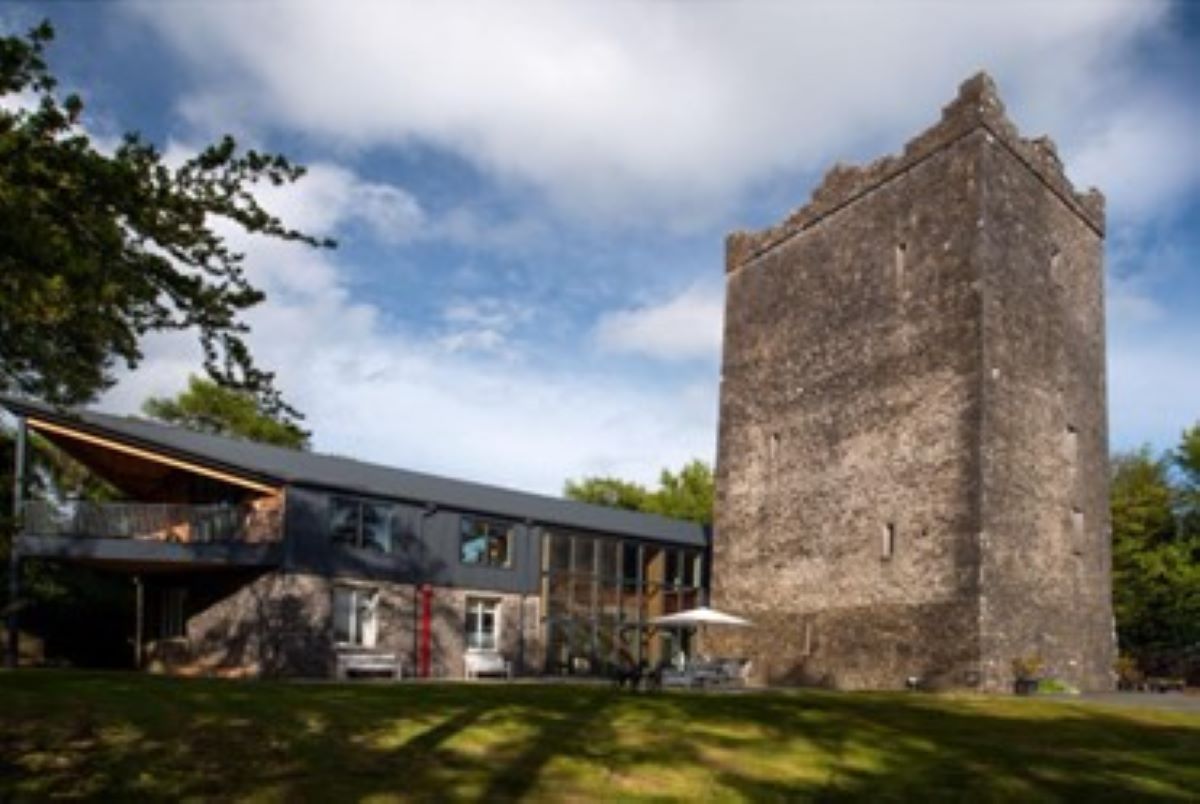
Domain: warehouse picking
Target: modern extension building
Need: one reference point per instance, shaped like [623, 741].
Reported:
[253, 559]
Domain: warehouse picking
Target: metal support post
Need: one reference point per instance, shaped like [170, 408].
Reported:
[12, 653]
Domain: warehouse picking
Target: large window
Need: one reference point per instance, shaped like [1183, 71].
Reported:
[486, 541]
[599, 594]
[483, 623]
[362, 524]
[354, 617]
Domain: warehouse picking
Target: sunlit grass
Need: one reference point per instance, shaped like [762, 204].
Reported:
[122, 736]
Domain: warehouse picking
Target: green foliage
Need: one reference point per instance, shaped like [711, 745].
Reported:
[610, 491]
[1028, 667]
[1055, 686]
[211, 408]
[98, 249]
[1156, 554]
[687, 494]
[1186, 459]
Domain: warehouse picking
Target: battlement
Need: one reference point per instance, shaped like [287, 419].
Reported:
[977, 106]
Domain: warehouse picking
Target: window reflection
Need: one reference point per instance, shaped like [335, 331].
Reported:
[360, 523]
[485, 541]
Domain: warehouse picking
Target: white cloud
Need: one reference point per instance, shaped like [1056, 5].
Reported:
[484, 326]
[437, 401]
[332, 196]
[685, 327]
[666, 110]
[1143, 154]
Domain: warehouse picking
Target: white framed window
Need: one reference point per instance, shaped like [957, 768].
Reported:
[483, 623]
[354, 616]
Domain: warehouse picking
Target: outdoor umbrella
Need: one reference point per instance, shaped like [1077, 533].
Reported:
[702, 617]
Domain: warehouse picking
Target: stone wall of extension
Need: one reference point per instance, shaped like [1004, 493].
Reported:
[281, 624]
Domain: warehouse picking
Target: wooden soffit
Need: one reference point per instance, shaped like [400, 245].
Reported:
[51, 428]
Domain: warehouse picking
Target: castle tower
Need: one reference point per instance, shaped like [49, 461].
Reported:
[912, 471]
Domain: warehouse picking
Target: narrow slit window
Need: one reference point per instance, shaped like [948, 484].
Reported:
[888, 546]
[773, 447]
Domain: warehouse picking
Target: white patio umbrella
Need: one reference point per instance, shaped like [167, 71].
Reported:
[701, 615]
[701, 618]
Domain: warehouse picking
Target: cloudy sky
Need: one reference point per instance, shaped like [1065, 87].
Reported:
[532, 198]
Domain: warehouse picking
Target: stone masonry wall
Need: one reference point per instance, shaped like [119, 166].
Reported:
[281, 624]
[856, 414]
[1045, 533]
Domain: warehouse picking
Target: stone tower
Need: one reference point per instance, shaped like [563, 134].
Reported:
[912, 471]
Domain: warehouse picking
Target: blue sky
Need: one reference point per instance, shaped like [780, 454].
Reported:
[532, 198]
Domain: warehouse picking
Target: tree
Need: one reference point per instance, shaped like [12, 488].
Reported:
[1156, 561]
[211, 408]
[686, 495]
[610, 491]
[1186, 459]
[1142, 522]
[98, 249]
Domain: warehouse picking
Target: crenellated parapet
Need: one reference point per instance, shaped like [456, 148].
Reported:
[977, 106]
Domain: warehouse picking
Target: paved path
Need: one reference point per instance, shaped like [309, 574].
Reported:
[1171, 701]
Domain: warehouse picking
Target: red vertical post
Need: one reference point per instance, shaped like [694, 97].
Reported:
[426, 646]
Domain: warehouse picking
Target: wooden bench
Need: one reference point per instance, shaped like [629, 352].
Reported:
[486, 663]
[369, 664]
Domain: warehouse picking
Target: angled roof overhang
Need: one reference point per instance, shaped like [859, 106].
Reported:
[101, 447]
[269, 467]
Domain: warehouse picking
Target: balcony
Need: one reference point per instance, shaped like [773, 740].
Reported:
[156, 534]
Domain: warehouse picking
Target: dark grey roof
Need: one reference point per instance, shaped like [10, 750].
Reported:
[289, 466]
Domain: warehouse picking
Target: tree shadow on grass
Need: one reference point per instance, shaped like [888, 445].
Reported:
[116, 737]
[901, 748]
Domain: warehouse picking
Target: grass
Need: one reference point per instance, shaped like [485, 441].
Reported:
[117, 737]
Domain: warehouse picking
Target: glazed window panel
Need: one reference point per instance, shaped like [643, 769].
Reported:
[482, 627]
[486, 542]
[692, 568]
[354, 616]
[582, 600]
[609, 599]
[629, 563]
[585, 555]
[376, 527]
[606, 558]
[560, 553]
[343, 524]
[674, 573]
[361, 524]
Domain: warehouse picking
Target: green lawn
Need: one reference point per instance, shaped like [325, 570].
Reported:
[125, 736]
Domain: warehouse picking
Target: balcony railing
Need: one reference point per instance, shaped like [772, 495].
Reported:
[201, 524]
